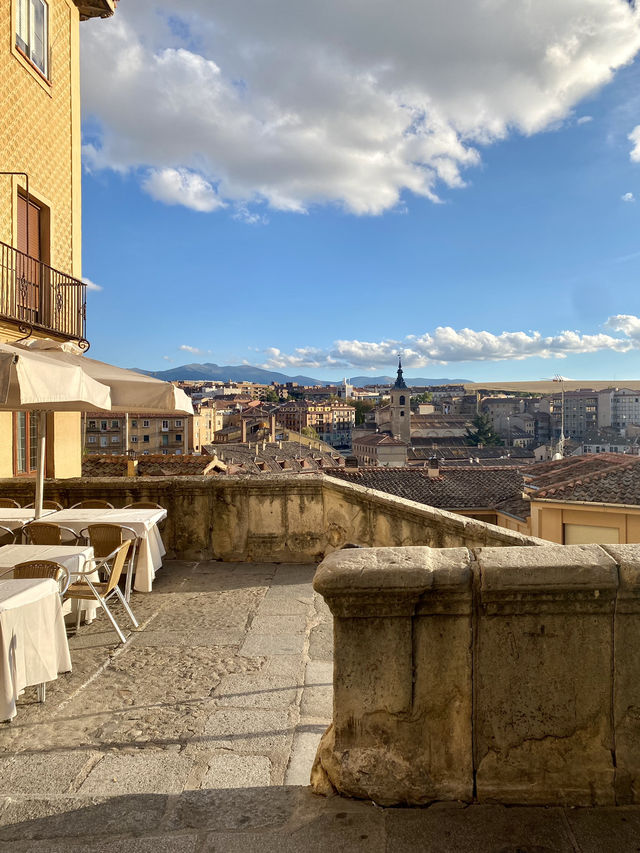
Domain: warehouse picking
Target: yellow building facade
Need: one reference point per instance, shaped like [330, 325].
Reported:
[41, 292]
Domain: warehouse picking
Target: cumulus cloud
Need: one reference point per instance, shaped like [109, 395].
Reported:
[91, 285]
[634, 137]
[628, 197]
[180, 186]
[349, 103]
[446, 345]
[584, 119]
[193, 350]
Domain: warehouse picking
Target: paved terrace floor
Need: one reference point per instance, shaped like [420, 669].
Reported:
[199, 734]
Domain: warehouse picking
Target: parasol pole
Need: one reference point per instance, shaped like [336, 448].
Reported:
[41, 463]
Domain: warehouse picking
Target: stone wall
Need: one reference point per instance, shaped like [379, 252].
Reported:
[297, 518]
[492, 675]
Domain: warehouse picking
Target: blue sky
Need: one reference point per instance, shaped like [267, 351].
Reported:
[529, 235]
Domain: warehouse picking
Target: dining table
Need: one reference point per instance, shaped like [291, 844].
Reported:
[33, 638]
[76, 558]
[144, 523]
[17, 517]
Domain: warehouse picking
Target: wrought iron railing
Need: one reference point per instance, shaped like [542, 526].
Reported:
[37, 296]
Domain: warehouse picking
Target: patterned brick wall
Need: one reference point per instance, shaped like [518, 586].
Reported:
[36, 130]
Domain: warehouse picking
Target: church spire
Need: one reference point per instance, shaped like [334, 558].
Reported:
[400, 383]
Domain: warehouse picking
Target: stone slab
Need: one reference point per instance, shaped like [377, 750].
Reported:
[303, 753]
[147, 770]
[177, 843]
[42, 774]
[261, 645]
[256, 691]
[607, 829]
[227, 770]
[321, 641]
[275, 624]
[253, 732]
[317, 695]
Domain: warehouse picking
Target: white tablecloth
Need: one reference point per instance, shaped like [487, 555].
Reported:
[33, 639]
[144, 522]
[13, 517]
[73, 557]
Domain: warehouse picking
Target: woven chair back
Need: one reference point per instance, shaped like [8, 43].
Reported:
[118, 564]
[105, 538]
[96, 503]
[46, 505]
[41, 533]
[9, 502]
[43, 569]
[143, 505]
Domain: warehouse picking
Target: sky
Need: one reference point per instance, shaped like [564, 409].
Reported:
[315, 188]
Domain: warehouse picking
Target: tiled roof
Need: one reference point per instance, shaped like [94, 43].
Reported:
[379, 438]
[608, 478]
[157, 465]
[273, 457]
[516, 506]
[104, 466]
[457, 488]
[464, 452]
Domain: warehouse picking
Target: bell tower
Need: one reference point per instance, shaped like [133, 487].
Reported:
[400, 408]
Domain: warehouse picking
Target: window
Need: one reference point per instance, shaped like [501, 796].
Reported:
[32, 32]
[145, 423]
[103, 441]
[177, 424]
[134, 424]
[165, 425]
[25, 442]
[103, 424]
[115, 439]
[178, 436]
[92, 439]
[165, 440]
[145, 439]
[134, 439]
[92, 425]
[115, 424]
[165, 452]
[402, 400]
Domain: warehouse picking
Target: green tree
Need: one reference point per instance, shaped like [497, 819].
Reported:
[270, 395]
[483, 433]
[425, 397]
[309, 432]
[361, 407]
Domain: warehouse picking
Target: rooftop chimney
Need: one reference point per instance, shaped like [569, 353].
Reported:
[433, 469]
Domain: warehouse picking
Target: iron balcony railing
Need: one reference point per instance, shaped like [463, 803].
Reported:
[39, 297]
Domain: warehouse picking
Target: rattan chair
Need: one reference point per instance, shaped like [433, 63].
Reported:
[7, 503]
[9, 536]
[47, 533]
[107, 538]
[143, 505]
[86, 587]
[92, 503]
[47, 505]
[44, 569]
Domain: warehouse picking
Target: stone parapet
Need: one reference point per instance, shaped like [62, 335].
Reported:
[494, 674]
[279, 518]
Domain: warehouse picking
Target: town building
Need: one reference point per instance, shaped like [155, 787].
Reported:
[380, 449]
[41, 289]
[332, 421]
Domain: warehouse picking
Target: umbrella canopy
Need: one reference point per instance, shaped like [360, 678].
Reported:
[130, 391]
[30, 380]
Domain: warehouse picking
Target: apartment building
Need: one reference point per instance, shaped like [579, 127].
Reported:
[41, 291]
[332, 421]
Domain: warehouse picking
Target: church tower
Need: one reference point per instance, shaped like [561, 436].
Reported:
[400, 408]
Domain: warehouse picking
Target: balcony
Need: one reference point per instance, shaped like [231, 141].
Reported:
[37, 296]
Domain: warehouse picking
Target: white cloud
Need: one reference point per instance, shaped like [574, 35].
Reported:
[180, 186]
[584, 119]
[446, 345]
[349, 103]
[193, 350]
[91, 285]
[166, 358]
[634, 137]
[628, 197]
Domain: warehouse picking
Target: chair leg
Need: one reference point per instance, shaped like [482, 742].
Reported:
[78, 615]
[104, 604]
[130, 570]
[42, 691]
[126, 607]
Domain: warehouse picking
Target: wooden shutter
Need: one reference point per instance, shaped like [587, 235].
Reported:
[33, 211]
[28, 269]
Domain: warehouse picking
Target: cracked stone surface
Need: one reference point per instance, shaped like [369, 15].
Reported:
[199, 735]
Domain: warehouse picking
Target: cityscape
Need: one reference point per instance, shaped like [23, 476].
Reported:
[370, 580]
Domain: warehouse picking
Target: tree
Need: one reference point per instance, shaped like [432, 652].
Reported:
[425, 397]
[270, 395]
[362, 407]
[309, 432]
[483, 432]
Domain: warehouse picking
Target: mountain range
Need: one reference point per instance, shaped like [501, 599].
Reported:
[248, 373]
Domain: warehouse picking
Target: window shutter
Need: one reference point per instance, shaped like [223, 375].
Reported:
[22, 24]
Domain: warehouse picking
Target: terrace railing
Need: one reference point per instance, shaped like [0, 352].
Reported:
[38, 296]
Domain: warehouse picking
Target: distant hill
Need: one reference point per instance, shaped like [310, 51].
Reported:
[228, 373]
[360, 381]
[248, 373]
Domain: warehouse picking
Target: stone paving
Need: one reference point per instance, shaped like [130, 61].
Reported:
[199, 735]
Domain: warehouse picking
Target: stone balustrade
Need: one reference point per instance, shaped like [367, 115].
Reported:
[295, 518]
[497, 674]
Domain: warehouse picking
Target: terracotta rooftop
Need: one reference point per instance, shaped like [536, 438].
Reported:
[608, 478]
[379, 438]
[473, 487]
[273, 457]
